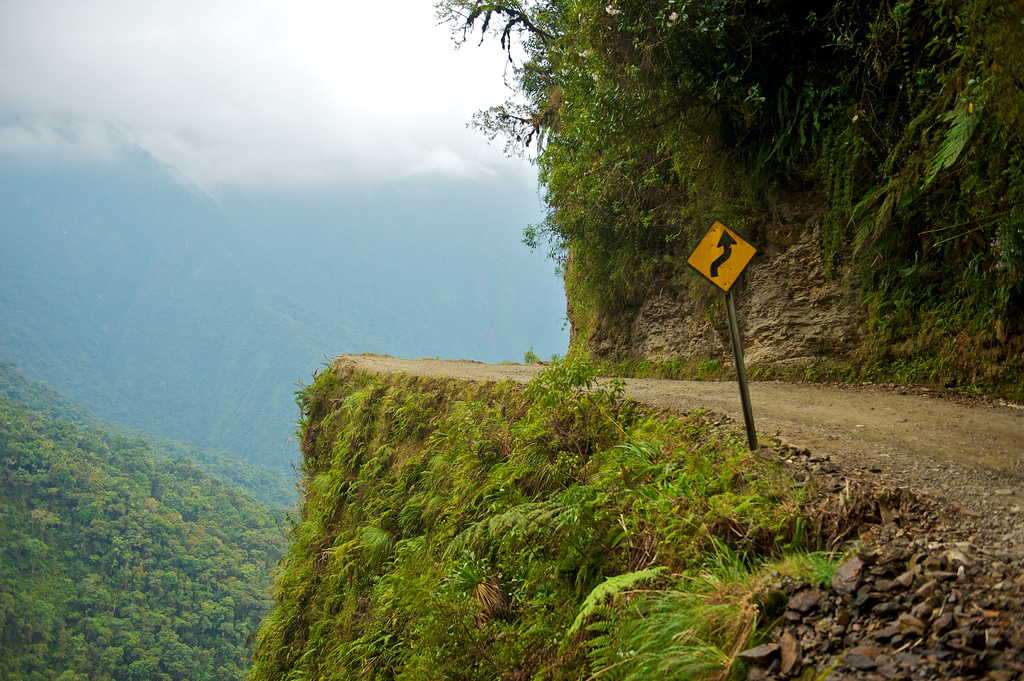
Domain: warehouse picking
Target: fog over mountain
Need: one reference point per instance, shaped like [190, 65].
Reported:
[162, 308]
[201, 200]
[252, 94]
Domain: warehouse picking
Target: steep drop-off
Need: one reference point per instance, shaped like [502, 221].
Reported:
[454, 529]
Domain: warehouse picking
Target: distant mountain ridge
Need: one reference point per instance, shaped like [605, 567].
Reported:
[161, 308]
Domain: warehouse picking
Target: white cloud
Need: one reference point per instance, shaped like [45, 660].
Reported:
[249, 94]
[73, 140]
[447, 162]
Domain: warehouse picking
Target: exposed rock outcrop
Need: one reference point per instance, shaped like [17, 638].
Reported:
[791, 309]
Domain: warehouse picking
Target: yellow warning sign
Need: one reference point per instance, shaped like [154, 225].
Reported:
[721, 256]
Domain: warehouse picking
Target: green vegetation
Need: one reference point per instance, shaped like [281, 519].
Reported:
[901, 120]
[273, 487]
[116, 564]
[817, 371]
[692, 369]
[453, 530]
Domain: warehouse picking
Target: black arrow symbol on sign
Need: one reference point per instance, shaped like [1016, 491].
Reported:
[726, 242]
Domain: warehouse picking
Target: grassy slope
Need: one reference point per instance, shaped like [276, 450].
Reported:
[477, 531]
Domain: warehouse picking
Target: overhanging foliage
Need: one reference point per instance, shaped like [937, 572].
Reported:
[902, 118]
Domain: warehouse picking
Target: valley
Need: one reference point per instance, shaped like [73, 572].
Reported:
[200, 209]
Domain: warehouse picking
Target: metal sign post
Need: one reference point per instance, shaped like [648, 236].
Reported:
[741, 370]
[720, 257]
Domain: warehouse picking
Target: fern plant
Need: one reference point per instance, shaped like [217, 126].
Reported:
[963, 120]
[597, 602]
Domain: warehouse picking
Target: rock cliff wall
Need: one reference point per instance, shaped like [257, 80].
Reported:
[791, 310]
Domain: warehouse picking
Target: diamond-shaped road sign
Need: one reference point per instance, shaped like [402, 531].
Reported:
[721, 256]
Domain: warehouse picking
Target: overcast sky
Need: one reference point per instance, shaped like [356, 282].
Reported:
[250, 94]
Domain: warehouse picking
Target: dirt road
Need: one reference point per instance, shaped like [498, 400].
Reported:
[965, 450]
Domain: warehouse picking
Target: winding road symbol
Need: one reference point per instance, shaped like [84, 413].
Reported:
[721, 256]
[726, 243]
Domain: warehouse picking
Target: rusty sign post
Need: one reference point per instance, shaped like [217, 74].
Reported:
[720, 257]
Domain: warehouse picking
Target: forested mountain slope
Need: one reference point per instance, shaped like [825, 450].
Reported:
[117, 564]
[273, 487]
[870, 149]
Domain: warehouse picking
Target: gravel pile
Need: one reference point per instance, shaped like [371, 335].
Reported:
[931, 592]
